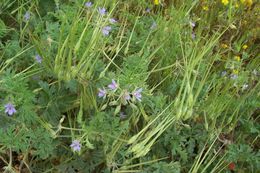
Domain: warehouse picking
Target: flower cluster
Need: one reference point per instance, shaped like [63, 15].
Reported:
[224, 45]
[224, 2]
[102, 12]
[237, 58]
[233, 75]
[156, 2]
[125, 95]
[245, 47]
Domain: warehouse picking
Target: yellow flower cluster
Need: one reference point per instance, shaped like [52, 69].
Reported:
[224, 45]
[225, 2]
[235, 71]
[245, 2]
[205, 8]
[156, 2]
[237, 58]
[245, 47]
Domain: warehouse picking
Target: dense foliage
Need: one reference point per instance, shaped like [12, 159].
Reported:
[129, 86]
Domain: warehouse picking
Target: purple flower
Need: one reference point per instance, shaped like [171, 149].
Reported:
[223, 73]
[112, 20]
[113, 85]
[106, 30]
[153, 26]
[9, 109]
[75, 145]
[38, 58]
[147, 10]
[27, 16]
[88, 4]
[102, 93]
[234, 76]
[192, 24]
[137, 94]
[102, 11]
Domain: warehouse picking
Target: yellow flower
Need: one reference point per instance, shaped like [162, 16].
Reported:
[236, 5]
[235, 71]
[156, 2]
[225, 2]
[245, 47]
[249, 2]
[223, 45]
[206, 8]
[237, 58]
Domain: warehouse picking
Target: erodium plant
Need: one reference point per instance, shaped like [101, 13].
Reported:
[129, 86]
